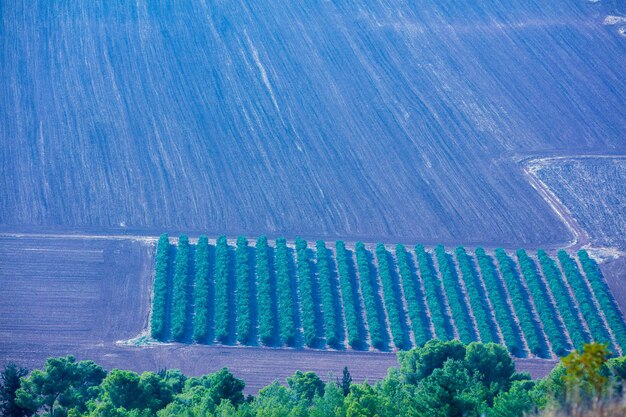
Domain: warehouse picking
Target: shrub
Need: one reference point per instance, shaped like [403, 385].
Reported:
[564, 302]
[545, 310]
[266, 319]
[369, 297]
[222, 289]
[305, 286]
[181, 282]
[395, 310]
[355, 340]
[331, 330]
[201, 291]
[244, 322]
[456, 300]
[604, 297]
[477, 298]
[285, 296]
[501, 309]
[159, 300]
[583, 296]
[434, 298]
[520, 300]
[414, 299]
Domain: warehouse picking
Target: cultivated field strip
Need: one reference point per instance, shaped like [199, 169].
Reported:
[341, 296]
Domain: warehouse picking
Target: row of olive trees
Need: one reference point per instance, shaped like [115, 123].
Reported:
[519, 300]
[497, 297]
[434, 297]
[368, 290]
[545, 310]
[477, 297]
[611, 311]
[563, 300]
[583, 297]
[460, 314]
[332, 332]
[414, 298]
[348, 291]
[159, 298]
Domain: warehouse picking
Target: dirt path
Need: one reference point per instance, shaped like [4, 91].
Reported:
[530, 165]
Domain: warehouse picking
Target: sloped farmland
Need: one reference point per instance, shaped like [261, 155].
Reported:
[273, 117]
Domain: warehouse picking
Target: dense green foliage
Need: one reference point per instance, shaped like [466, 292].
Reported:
[499, 303]
[520, 300]
[434, 297]
[159, 299]
[9, 384]
[222, 290]
[332, 332]
[62, 385]
[369, 297]
[584, 298]
[442, 379]
[264, 292]
[201, 292]
[564, 302]
[355, 340]
[181, 282]
[545, 310]
[393, 302]
[456, 300]
[286, 310]
[305, 287]
[242, 274]
[613, 316]
[477, 298]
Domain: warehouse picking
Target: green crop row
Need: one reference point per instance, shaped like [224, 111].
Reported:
[264, 292]
[179, 296]
[498, 301]
[434, 298]
[201, 291]
[414, 299]
[331, 330]
[462, 320]
[477, 298]
[286, 303]
[242, 274]
[564, 302]
[369, 297]
[545, 309]
[347, 295]
[395, 309]
[305, 286]
[519, 300]
[222, 289]
[583, 296]
[159, 300]
[604, 297]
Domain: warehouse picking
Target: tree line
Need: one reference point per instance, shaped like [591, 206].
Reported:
[440, 378]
